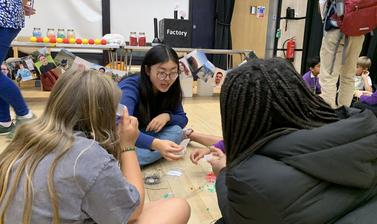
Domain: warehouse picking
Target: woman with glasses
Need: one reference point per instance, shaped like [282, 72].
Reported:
[155, 98]
[5, 70]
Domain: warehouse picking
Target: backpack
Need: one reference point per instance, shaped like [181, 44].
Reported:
[359, 18]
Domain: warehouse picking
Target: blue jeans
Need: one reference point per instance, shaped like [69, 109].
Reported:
[148, 156]
[9, 92]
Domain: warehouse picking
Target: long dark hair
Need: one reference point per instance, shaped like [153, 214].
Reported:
[160, 102]
[263, 99]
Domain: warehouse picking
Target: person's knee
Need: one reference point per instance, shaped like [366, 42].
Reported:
[173, 129]
[182, 209]
[146, 156]
[173, 133]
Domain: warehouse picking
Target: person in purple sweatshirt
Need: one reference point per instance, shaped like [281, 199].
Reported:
[367, 100]
[155, 98]
[311, 77]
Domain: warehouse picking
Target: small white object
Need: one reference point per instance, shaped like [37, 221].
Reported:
[112, 38]
[120, 110]
[175, 173]
[208, 157]
[183, 144]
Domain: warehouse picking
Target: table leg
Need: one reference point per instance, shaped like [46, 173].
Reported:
[129, 64]
[126, 60]
[116, 60]
[109, 57]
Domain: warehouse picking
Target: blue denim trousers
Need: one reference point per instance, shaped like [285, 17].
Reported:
[148, 156]
[9, 92]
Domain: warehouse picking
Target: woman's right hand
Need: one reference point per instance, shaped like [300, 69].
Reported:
[128, 129]
[168, 149]
[198, 153]
[218, 162]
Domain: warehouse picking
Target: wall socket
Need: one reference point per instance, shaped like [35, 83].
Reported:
[253, 10]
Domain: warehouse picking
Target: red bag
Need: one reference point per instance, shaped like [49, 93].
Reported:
[49, 78]
[360, 17]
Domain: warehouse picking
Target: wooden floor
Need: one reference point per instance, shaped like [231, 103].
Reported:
[192, 185]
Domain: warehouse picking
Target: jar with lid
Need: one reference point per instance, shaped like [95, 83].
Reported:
[71, 33]
[142, 39]
[50, 32]
[133, 39]
[61, 33]
[37, 32]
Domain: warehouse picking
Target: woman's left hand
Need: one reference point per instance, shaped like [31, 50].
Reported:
[158, 122]
[28, 10]
[218, 162]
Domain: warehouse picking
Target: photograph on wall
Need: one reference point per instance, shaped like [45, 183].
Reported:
[81, 64]
[6, 71]
[219, 77]
[184, 70]
[206, 72]
[44, 63]
[23, 73]
[21, 69]
[64, 59]
[100, 68]
[28, 62]
[116, 75]
[196, 59]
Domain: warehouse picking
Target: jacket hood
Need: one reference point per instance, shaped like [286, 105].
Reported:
[343, 152]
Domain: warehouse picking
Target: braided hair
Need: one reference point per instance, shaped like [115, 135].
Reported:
[263, 99]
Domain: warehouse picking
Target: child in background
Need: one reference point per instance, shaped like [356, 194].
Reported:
[362, 79]
[311, 77]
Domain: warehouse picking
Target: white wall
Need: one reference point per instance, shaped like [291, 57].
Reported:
[85, 16]
[137, 15]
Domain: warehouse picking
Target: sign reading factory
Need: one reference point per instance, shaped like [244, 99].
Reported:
[175, 32]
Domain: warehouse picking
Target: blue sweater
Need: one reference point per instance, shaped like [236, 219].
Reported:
[131, 97]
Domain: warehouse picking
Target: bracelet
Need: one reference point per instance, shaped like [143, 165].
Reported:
[127, 149]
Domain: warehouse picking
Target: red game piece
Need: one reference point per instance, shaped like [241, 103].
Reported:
[52, 40]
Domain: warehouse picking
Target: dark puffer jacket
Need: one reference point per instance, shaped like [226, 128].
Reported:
[322, 175]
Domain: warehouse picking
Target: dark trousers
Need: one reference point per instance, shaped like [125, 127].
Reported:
[9, 92]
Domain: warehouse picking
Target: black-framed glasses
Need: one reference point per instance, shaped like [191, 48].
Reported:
[163, 75]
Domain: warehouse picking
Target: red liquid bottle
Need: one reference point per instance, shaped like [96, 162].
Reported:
[133, 39]
[142, 39]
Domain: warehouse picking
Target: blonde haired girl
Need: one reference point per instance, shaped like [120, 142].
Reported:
[64, 166]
